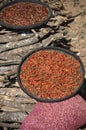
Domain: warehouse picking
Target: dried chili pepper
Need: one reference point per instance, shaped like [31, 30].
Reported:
[24, 13]
[51, 74]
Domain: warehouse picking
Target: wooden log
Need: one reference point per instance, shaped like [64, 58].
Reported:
[9, 125]
[22, 100]
[12, 92]
[12, 117]
[9, 63]
[7, 68]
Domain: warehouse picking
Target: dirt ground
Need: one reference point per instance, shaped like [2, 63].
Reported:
[77, 28]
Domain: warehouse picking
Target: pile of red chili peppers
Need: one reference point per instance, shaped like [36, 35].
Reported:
[51, 74]
[24, 13]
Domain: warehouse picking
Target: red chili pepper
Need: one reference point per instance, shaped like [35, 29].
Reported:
[55, 75]
[24, 13]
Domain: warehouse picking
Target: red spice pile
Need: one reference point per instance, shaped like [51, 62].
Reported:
[24, 13]
[51, 74]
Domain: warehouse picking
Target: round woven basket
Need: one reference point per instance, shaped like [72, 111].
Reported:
[35, 25]
[56, 49]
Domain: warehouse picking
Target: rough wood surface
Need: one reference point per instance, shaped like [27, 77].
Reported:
[14, 103]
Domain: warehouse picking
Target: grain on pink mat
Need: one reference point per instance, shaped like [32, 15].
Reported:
[66, 115]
